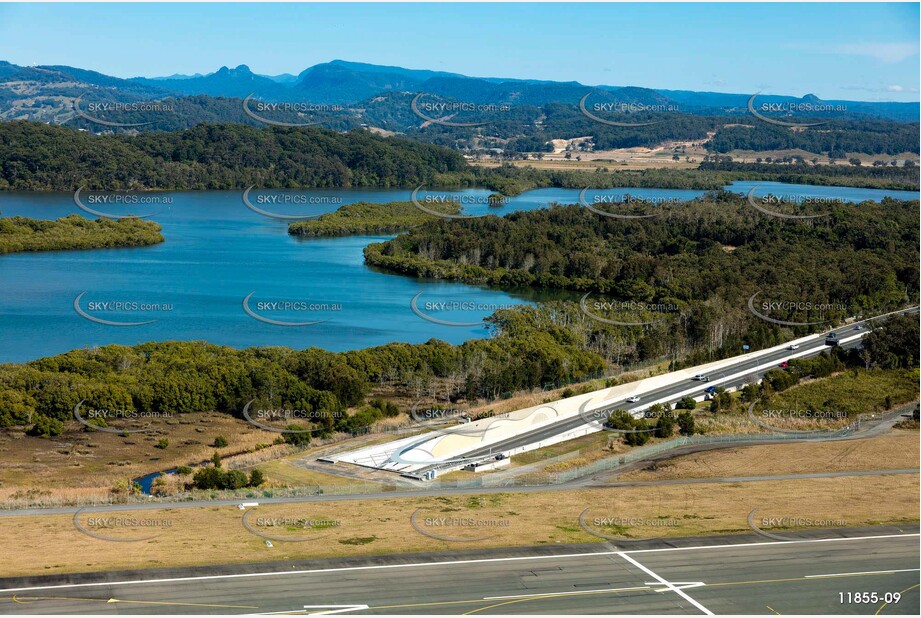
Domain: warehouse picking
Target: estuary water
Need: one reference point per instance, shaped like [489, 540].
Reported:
[299, 293]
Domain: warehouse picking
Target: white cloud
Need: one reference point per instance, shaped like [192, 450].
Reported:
[884, 52]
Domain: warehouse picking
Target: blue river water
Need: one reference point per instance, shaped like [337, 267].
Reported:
[218, 252]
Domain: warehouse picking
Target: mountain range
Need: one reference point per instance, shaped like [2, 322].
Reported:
[26, 90]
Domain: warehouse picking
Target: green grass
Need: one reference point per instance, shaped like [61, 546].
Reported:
[853, 391]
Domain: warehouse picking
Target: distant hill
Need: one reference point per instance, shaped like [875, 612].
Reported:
[342, 96]
[342, 82]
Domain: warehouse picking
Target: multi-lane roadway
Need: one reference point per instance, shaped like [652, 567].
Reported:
[746, 370]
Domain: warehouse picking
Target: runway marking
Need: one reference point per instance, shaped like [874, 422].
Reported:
[766, 544]
[30, 600]
[887, 602]
[521, 598]
[452, 563]
[863, 573]
[668, 585]
[563, 594]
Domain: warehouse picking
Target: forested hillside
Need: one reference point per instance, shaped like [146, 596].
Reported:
[706, 257]
[39, 157]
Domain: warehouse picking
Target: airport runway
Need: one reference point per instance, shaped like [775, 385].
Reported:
[718, 575]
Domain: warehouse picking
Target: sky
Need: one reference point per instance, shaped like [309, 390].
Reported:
[857, 51]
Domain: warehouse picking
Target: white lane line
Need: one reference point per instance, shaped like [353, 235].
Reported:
[766, 544]
[862, 573]
[563, 594]
[684, 595]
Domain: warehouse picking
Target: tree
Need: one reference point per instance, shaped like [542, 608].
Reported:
[162, 443]
[46, 427]
[220, 442]
[216, 460]
[295, 434]
[208, 478]
[686, 424]
[256, 478]
[686, 403]
[665, 426]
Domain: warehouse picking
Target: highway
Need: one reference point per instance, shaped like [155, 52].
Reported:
[751, 370]
[702, 576]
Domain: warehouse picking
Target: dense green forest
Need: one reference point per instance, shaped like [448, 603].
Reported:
[34, 156]
[75, 232]
[368, 218]
[530, 347]
[705, 257]
[904, 178]
[179, 377]
[836, 138]
[38, 157]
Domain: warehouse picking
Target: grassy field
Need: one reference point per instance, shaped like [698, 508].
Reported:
[81, 463]
[848, 393]
[212, 535]
[895, 450]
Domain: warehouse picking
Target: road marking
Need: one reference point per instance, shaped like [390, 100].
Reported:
[772, 609]
[767, 544]
[668, 585]
[548, 595]
[887, 602]
[333, 609]
[863, 573]
[677, 586]
[563, 594]
[30, 600]
[449, 563]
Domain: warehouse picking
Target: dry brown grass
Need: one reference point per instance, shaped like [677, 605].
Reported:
[79, 464]
[896, 450]
[212, 535]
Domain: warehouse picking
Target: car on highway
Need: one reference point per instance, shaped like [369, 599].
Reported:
[784, 364]
[858, 327]
[710, 390]
[633, 399]
[701, 378]
[793, 346]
